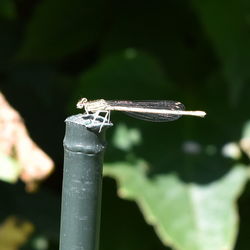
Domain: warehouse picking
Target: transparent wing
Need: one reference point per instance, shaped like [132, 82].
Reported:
[153, 117]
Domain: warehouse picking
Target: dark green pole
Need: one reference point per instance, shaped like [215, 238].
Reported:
[82, 183]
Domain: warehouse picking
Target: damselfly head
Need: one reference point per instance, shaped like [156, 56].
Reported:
[81, 103]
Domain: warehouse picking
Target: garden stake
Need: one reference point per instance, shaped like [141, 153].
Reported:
[82, 183]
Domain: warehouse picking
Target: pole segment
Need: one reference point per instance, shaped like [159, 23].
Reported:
[82, 183]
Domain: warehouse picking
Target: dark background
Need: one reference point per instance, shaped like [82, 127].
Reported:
[54, 52]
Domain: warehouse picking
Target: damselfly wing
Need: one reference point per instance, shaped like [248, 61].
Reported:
[150, 105]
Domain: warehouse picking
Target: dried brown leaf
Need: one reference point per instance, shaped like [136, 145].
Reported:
[16, 142]
[14, 233]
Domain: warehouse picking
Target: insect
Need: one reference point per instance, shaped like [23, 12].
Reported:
[154, 111]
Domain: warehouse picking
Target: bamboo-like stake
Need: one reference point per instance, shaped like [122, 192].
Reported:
[82, 183]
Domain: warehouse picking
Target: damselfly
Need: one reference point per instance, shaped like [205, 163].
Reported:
[154, 111]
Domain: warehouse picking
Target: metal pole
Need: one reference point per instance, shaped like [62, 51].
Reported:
[82, 183]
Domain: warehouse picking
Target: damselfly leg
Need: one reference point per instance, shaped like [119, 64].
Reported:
[105, 118]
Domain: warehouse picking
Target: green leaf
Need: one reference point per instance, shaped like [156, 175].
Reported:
[125, 73]
[59, 28]
[246, 130]
[125, 138]
[186, 216]
[245, 139]
[7, 9]
[9, 169]
[227, 26]
[168, 30]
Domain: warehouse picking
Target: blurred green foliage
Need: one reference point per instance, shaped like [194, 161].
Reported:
[9, 168]
[198, 52]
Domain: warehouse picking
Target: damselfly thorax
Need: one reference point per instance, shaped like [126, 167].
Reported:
[92, 106]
